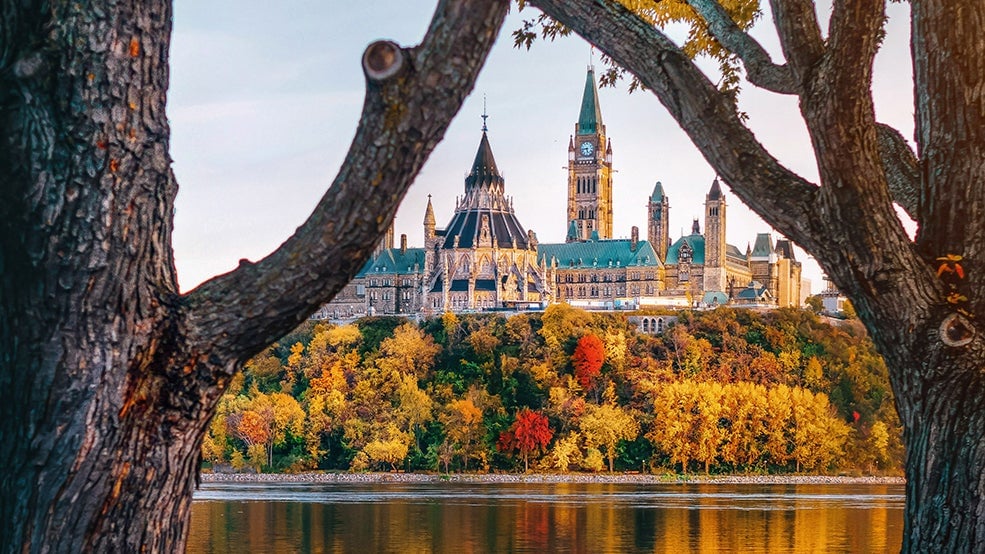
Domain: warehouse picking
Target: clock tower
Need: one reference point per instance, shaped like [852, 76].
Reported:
[589, 170]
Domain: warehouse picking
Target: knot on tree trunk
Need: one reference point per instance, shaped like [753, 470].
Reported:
[383, 59]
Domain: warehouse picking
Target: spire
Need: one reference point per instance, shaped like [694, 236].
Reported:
[572, 231]
[695, 227]
[716, 190]
[590, 118]
[658, 192]
[429, 220]
[485, 115]
[484, 170]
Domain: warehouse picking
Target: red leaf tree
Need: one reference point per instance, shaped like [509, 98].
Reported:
[529, 434]
[587, 359]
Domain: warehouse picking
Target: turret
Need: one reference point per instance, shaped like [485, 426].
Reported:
[429, 221]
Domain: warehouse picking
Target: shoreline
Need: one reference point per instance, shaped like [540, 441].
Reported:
[481, 478]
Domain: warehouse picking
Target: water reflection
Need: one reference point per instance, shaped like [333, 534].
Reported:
[561, 517]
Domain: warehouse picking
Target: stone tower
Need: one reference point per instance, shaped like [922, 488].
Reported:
[590, 169]
[658, 221]
[714, 270]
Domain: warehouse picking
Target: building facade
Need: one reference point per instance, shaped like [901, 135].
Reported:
[485, 259]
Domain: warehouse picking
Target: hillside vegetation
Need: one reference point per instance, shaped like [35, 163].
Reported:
[723, 391]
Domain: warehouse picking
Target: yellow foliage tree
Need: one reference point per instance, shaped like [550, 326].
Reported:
[409, 350]
[390, 449]
[566, 453]
[604, 426]
[463, 427]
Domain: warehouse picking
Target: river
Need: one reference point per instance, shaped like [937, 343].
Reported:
[545, 517]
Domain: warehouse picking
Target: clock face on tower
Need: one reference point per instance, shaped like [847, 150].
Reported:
[587, 148]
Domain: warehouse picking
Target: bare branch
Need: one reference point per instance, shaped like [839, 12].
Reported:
[901, 168]
[800, 36]
[760, 69]
[782, 197]
[411, 97]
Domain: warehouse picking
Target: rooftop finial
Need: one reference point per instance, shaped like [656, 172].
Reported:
[484, 115]
[591, 57]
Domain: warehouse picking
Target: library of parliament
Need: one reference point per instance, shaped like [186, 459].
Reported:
[484, 259]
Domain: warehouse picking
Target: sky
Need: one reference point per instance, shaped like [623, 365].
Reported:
[264, 102]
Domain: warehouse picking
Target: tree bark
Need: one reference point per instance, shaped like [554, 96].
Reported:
[921, 300]
[108, 377]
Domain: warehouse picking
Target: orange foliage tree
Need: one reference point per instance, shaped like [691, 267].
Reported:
[529, 434]
[587, 359]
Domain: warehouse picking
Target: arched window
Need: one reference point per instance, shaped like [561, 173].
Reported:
[660, 325]
[646, 325]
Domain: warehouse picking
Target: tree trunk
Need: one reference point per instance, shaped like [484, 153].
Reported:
[109, 377]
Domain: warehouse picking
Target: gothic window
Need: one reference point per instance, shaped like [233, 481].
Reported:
[595, 292]
[685, 255]
[649, 288]
[608, 291]
[660, 325]
[646, 325]
[636, 290]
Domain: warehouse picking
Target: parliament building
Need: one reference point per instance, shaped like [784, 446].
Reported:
[484, 258]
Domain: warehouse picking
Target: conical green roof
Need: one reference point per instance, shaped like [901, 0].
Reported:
[590, 118]
[658, 192]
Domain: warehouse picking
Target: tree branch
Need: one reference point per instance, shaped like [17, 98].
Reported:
[782, 197]
[853, 40]
[760, 69]
[411, 97]
[901, 168]
[800, 36]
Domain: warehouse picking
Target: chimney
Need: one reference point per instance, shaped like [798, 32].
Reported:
[634, 238]
[403, 243]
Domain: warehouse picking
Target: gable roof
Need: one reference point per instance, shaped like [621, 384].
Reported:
[695, 242]
[391, 261]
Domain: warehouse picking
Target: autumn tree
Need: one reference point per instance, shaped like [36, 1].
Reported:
[409, 351]
[108, 374]
[604, 426]
[530, 433]
[463, 427]
[587, 359]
